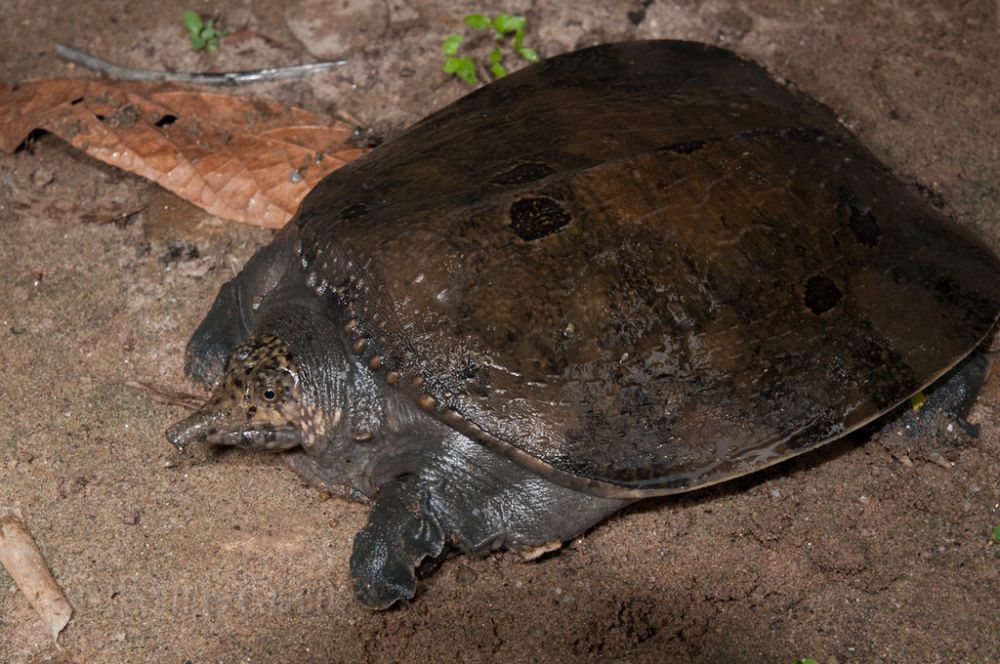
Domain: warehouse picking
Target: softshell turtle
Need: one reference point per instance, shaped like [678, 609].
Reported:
[628, 271]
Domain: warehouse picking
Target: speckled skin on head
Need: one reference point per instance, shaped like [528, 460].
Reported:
[257, 405]
[628, 271]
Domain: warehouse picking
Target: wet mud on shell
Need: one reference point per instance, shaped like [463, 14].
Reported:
[664, 306]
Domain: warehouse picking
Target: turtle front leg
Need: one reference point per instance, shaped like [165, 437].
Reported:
[465, 496]
[400, 533]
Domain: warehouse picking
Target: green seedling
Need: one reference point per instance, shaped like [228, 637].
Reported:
[996, 534]
[507, 30]
[806, 660]
[462, 66]
[203, 32]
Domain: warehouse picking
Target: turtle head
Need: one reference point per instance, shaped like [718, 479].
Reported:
[257, 405]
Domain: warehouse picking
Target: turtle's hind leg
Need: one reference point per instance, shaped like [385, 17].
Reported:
[945, 403]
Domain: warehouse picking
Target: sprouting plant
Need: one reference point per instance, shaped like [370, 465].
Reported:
[462, 66]
[996, 534]
[806, 660]
[506, 29]
[203, 32]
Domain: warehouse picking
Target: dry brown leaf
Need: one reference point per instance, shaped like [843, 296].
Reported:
[24, 562]
[242, 158]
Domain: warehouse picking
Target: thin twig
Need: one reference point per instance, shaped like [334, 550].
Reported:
[85, 59]
[165, 395]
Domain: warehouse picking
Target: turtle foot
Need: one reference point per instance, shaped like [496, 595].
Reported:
[401, 532]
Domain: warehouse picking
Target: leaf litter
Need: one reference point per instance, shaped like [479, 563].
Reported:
[242, 158]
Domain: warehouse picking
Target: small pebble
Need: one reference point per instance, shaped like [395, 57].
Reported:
[465, 576]
[941, 461]
[42, 177]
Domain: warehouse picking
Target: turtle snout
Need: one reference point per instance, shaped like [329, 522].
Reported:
[195, 428]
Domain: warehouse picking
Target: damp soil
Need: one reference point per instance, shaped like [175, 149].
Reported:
[874, 549]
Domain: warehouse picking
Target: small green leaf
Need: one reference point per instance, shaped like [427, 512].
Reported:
[451, 44]
[996, 534]
[192, 21]
[197, 43]
[213, 45]
[528, 54]
[209, 34]
[806, 660]
[477, 21]
[467, 71]
[505, 24]
[917, 400]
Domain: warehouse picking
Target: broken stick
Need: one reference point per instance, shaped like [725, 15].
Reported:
[24, 562]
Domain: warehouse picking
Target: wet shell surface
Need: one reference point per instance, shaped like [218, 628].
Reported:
[641, 268]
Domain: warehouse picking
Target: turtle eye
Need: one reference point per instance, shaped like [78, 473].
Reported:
[269, 394]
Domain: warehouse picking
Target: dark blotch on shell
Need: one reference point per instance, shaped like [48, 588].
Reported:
[523, 173]
[534, 218]
[685, 147]
[863, 223]
[821, 295]
[353, 212]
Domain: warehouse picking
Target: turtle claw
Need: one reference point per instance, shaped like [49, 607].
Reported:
[400, 533]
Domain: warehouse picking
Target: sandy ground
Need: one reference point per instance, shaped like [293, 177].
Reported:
[875, 549]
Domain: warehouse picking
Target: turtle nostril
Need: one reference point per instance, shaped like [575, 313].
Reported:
[178, 434]
[175, 437]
